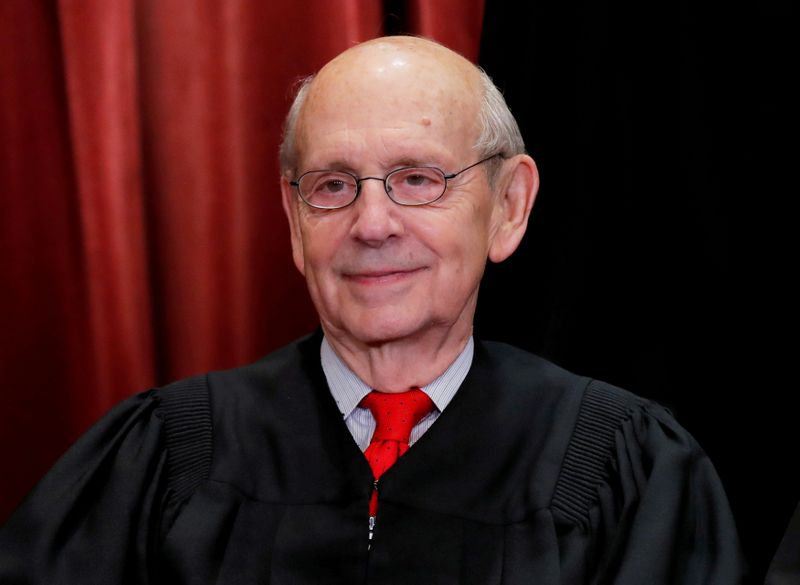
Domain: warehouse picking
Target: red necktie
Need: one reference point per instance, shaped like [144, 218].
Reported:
[395, 415]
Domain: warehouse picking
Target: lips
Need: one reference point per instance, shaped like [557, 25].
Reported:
[381, 276]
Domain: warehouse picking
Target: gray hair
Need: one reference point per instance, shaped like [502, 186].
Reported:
[499, 132]
[288, 149]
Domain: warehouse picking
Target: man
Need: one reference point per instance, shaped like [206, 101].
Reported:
[402, 172]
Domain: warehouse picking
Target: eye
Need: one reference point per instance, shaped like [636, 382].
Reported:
[416, 180]
[331, 186]
[416, 185]
[327, 189]
[326, 183]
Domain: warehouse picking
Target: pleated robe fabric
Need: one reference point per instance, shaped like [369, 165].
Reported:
[532, 475]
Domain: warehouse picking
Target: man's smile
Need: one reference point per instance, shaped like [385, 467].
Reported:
[382, 276]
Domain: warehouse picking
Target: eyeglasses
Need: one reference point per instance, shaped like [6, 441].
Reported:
[404, 186]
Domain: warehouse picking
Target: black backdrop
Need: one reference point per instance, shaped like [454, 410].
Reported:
[655, 128]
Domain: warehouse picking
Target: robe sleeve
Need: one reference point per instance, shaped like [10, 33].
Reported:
[98, 515]
[91, 518]
[649, 503]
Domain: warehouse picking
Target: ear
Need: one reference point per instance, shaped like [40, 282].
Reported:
[513, 207]
[289, 201]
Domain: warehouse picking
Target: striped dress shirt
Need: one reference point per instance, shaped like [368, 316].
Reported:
[348, 390]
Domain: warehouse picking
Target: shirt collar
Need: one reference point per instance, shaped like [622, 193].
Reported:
[348, 389]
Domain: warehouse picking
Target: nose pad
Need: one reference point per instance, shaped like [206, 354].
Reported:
[384, 187]
[376, 216]
[380, 188]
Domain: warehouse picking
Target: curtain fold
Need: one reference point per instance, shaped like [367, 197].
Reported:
[99, 68]
[141, 232]
[45, 343]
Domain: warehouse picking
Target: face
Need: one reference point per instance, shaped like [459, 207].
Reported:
[378, 271]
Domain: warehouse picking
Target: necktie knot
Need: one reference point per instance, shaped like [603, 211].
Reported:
[396, 414]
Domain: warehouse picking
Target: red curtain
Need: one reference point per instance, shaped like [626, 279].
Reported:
[141, 233]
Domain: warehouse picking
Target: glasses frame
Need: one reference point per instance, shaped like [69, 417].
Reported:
[385, 181]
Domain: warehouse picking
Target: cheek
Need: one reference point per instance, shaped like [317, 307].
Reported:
[458, 239]
[321, 238]
[461, 261]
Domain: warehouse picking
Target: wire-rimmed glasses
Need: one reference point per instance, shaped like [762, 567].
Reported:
[328, 189]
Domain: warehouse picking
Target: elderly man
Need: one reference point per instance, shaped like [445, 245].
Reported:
[402, 172]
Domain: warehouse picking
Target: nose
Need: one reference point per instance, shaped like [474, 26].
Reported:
[377, 217]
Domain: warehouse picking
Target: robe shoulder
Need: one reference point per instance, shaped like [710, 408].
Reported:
[659, 512]
[90, 518]
[100, 514]
[634, 497]
[101, 510]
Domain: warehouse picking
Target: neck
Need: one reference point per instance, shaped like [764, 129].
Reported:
[400, 364]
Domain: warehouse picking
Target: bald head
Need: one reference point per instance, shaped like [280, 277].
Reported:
[447, 91]
[385, 56]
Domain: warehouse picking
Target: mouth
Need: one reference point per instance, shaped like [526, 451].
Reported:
[383, 276]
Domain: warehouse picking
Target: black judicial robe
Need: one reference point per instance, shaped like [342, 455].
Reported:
[532, 475]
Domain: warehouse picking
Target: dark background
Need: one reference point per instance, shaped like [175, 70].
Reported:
[660, 134]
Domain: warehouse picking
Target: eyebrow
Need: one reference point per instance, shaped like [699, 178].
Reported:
[398, 163]
[411, 162]
[337, 165]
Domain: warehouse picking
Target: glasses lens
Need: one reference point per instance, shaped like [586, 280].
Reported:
[327, 189]
[416, 186]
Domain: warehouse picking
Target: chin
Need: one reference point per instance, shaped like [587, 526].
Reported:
[374, 330]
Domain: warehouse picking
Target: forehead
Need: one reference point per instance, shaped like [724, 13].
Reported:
[389, 100]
